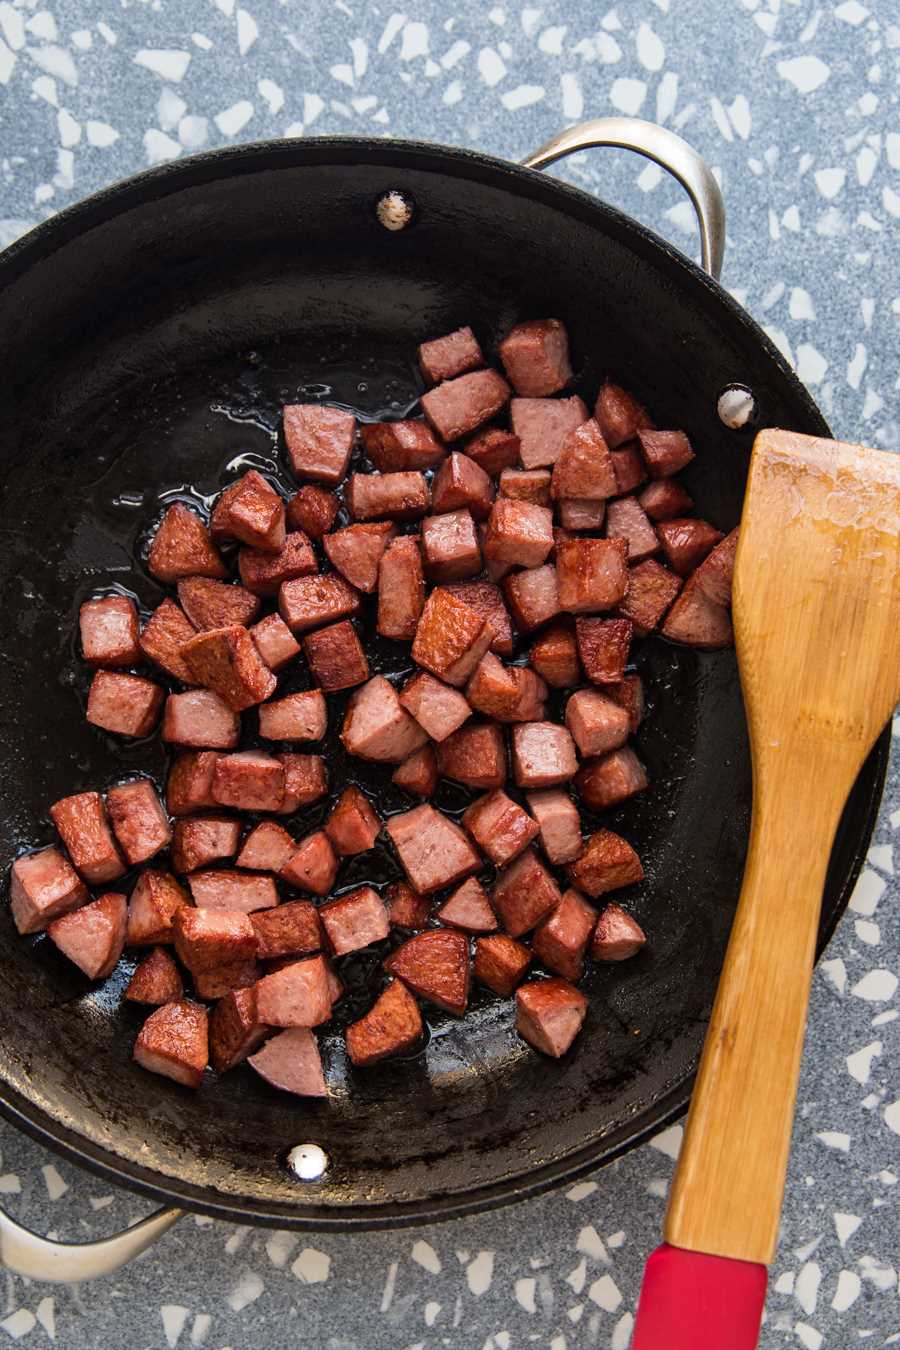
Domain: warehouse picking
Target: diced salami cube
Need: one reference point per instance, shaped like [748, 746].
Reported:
[696, 620]
[596, 722]
[485, 598]
[418, 773]
[392, 1026]
[312, 511]
[319, 440]
[450, 546]
[439, 709]
[458, 406]
[665, 452]
[275, 642]
[603, 646]
[543, 426]
[335, 656]
[592, 573]
[605, 782]
[651, 590]
[353, 825]
[584, 469]
[469, 909]
[550, 1014]
[405, 907]
[227, 979]
[291, 1061]
[43, 886]
[139, 822]
[249, 781]
[524, 894]
[305, 781]
[664, 499]
[267, 848]
[356, 552]
[559, 824]
[313, 865]
[445, 357]
[562, 939]
[264, 573]
[398, 447]
[396, 496]
[494, 450]
[93, 936]
[554, 655]
[474, 755]
[296, 996]
[154, 902]
[625, 519]
[250, 511]
[174, 1042]
[499, 826]
[506, 693]
[533, 596]
[310, 602]
[199, 719]
[401, 594]
[617, 936]
[629, 468]
[435, 965]
[232, 892]
[629, 694]
[205, 939]
[288, 930]
[156, 980]
[109, 631]
[461, 484]
[226, 661]
[433, 850]
[543, 755]
[500, 963]
[164, 635]
[216, 604]
[451, 637]
[377, 726]
[355, 920]
[189, 787]
[200, 840]
[535, 356]
[576, 513]
[619, 415]
[84, 829]
[297, 717]
[715, 574]
[518, 533]
[607, 863]
[526, 485]
[126, 705]
[235, 1030]
[182, 548]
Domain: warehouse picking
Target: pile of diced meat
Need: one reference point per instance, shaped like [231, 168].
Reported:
[507, 520]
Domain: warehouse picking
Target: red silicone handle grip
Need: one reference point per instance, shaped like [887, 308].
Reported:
[690, 1301]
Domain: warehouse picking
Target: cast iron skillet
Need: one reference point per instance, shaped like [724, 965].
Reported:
[149, 337]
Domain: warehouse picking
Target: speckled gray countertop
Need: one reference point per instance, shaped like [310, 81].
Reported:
[795, 104]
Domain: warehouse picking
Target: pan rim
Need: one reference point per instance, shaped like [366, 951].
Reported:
[291, 154]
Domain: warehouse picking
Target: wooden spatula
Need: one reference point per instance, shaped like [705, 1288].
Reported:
[817, 627]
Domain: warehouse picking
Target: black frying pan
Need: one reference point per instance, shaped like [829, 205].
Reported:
[149, 338]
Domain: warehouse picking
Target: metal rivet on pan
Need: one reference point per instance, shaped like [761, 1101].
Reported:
[394, 210]
[736, 406]
[308, 1162]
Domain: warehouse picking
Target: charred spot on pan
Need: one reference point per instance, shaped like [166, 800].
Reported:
[395, 210]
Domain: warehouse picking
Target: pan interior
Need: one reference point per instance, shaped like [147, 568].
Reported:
[151, 353]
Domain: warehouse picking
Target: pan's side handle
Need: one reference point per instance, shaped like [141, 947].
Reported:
[670, 152]
[25, 1253]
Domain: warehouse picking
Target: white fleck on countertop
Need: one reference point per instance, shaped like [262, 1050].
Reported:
[795, 104]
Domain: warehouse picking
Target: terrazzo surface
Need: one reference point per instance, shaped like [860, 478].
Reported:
[796, 107]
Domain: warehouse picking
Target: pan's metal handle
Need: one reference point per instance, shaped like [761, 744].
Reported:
[25, 1253]
[670, 152]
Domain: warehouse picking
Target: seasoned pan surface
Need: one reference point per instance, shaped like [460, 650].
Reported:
[153, 336]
